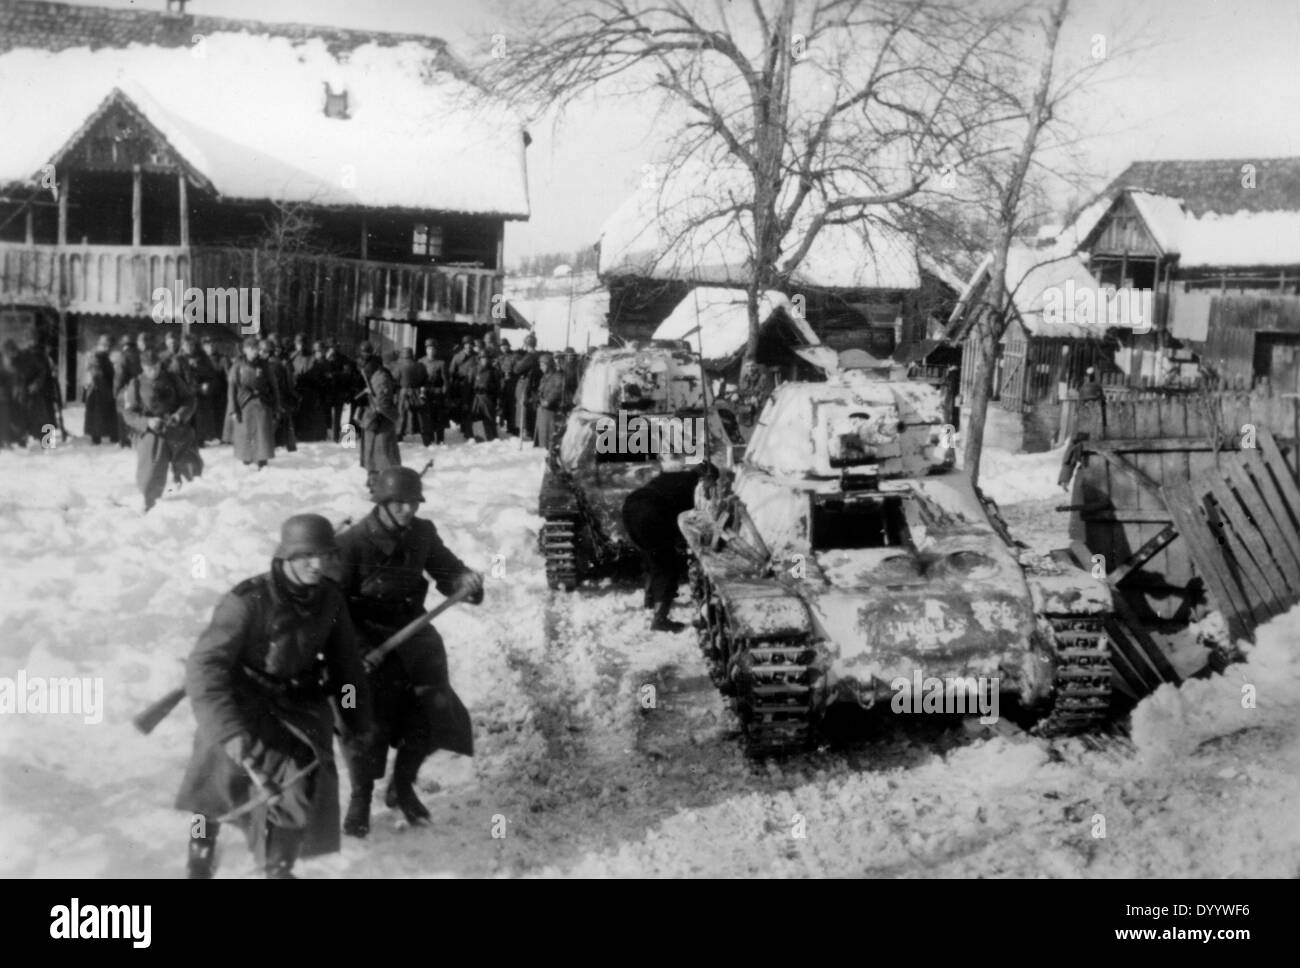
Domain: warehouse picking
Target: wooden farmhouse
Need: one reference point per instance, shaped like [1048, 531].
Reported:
[356, 180]
[1218, 242]
[861, 286]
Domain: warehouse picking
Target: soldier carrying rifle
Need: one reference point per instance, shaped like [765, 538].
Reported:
[279, 653]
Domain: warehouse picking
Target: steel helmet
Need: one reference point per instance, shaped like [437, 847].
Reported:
[398, 484]
[306, 534]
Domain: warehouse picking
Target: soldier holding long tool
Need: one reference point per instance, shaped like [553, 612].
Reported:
[383, 563]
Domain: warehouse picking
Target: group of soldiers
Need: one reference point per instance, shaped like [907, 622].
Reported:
[489, 384]
[29, 394]
[301, 652]
[172, 399]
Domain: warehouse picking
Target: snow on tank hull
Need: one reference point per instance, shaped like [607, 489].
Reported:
[836, 583]
[633, 401]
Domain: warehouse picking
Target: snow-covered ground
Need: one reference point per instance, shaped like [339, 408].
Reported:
[571, 766]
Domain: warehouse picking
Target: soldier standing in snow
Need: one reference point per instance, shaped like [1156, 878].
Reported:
[378, 420]
[435, 395]
[650, 516]
[383, 562]
[101, 406]
[411, 378]
[279, 652]
[254, 407]
[527, 372]
[550, 401]
[486, 379]
[288, 400]
[127, 370]
[157, 405]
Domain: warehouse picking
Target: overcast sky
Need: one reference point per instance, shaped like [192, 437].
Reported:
[1220, 78]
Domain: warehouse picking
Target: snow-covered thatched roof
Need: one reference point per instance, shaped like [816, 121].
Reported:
[243, 107]
[717, 320]
[687, 225]
[1223, 212]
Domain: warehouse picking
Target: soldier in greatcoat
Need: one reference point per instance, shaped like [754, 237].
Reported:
[382, 569]
[411, 380]
[288, 405]
[267, 679]
[435, 395]
[157, 405]
[527, 372]
[97, 394]
[377, 420]
[550, 401]
[254, 407]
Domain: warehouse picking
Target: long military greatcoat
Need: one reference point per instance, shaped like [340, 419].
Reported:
[254, 404]
[381, 572]
[101, 407]
[256, 671]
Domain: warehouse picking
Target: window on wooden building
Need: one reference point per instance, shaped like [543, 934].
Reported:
[427, 240]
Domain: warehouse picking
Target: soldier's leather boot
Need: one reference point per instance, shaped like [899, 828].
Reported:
[281, 852]
[649, 600]
[357, 821]
[662, 623]
[401, 788]
[202, 861]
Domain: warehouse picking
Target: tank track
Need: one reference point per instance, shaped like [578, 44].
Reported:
[774, 695]
[1082, 702]
[560, 549]
[769, 681]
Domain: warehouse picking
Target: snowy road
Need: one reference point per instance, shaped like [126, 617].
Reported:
[573, 774]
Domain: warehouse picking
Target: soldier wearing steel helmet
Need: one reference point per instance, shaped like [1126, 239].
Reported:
[279, 652]
[383, 563]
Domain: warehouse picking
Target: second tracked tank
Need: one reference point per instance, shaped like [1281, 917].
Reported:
[635, 405]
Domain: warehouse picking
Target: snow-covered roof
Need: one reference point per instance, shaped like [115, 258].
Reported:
[553, 318]
[245, 111]
[670, 228]
[1031, 273]
[1211, 213]
[717, 320]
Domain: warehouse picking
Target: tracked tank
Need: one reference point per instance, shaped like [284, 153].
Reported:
[635, 405]
[848, 561]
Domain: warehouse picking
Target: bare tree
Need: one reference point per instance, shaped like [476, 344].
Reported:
[1014, 194]
[804, 115]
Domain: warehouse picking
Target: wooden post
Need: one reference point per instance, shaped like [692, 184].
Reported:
[63, 356]
[137, 198]
[31, 227]
[365, 239]
[183, 194]
[65, 184]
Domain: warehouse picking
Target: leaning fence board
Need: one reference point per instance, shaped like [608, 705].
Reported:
[1128, 663]
[1285, 543]
[1286, 485]
[1253, 467]
[1239, 563]
[1249, 536]
[1219, 582]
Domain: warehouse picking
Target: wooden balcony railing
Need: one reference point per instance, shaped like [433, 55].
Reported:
[320, 293]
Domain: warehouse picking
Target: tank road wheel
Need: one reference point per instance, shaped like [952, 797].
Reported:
[710, 625]
[560, 549]
[774, 695]
[1082, 701]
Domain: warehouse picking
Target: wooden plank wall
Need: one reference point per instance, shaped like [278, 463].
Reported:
[1115, 515]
